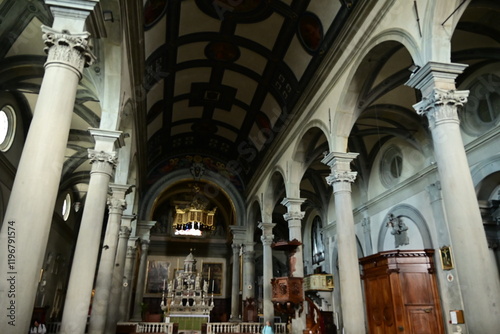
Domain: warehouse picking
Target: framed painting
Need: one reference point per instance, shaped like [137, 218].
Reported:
[446, 258]
[157, 276]
[213, 273]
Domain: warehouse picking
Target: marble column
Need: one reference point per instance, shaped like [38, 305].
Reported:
[143, 232]
[248, 270]
[296, 261]
[238, 239]
[294, 218]
[480, 284]
[128, 276]
[78, 296]
[118, 274]
[350, 282]
[116, 206]
[267, 255]
[235, 284]
[24, 233]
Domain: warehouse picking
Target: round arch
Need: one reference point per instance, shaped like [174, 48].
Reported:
[405, 210]
[184, 174]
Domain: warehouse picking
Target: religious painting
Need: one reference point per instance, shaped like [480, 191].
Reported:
[214, 274]
[446, 258]
[157, 276]
[310, 32]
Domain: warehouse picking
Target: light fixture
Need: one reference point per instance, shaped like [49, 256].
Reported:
[195, 218]
[108, 15]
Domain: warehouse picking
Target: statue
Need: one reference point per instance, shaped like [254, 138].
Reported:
[399, 231]
[197, 284]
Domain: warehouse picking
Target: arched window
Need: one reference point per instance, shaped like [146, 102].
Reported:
[318, 248]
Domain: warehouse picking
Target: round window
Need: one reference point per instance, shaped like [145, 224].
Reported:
[7, 127]
[391, 166]
[482, 109]
[66, 207]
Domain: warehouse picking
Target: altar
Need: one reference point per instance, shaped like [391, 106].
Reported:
[186, 300]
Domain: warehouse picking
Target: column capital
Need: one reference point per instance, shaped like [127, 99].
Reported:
[116, 205]
[292, 202]
[340, 165]
[124, 232]
[121, 189]
[441, 105]
[236, 247]
[63, 48]
[239, 233]
[267, 233]
[435, 75]
[293, 207]
[144, 229]
[107, 140]
[102, 162]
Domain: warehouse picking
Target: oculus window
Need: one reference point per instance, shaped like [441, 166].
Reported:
[7, 127]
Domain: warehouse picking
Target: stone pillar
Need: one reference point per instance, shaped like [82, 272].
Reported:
[294, 217]
[235, 284]
[103, 160]
[143, 230]
[116, 205]
[248, 270]
[481, 292]
[350, 283]
[267, 255]
[118, 274]
[238, 239]
[24, 233]
[296, 261]
[126, 295]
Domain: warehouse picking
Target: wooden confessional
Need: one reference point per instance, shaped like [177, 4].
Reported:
[401, 293]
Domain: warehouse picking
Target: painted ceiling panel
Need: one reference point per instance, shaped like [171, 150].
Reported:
[182, 111]
[193, 20]
[234, 118]
[185, 78]
[297, 58]
[191, 51]
[252, 60]
[155, 33]
[245, 87]
[155, 94]
[265, 32]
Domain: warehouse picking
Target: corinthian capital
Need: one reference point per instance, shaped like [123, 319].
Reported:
[66, 48]
[102, 157]
[294, 215]
[341, 177]
[116, 205]
[441, 105]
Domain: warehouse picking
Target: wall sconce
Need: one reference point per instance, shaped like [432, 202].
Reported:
[108, 15]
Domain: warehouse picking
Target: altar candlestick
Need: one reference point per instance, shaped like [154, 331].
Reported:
[209, 274]
[163, 284]
[213, 282]
[177, 263]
